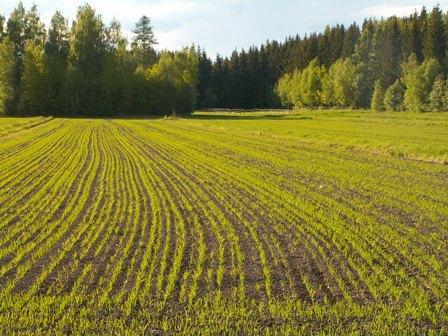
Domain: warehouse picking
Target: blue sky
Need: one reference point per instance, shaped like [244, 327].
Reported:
[220, 26]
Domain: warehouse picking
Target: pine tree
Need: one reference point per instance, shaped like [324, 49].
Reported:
[394, 97]
[144, 42]
[7, 72]
[378, 97]
[436, 97]
[34, 97]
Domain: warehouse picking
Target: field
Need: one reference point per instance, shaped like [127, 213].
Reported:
[290, 223]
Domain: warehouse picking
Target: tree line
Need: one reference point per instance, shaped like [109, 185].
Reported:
[89, 68]
[394, 63]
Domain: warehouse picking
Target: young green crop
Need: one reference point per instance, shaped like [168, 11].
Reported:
[278, 223]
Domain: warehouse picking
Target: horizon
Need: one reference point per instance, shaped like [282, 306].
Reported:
[179, 23]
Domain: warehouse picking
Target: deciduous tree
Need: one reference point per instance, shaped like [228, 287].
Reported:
[378, 97]
[7, 72]
[394, 97]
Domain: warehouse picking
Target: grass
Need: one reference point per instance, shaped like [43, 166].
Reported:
[307, 222]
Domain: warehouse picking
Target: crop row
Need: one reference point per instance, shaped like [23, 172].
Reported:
[166, 213]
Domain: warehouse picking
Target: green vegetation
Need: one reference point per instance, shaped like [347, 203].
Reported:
[89, 69]
[276, 222]
[307, 222]
[387, 58]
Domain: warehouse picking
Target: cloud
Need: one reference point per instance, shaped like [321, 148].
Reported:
[171, 39]
[387, 10]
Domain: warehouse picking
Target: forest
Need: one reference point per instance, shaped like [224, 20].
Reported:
[89, 68]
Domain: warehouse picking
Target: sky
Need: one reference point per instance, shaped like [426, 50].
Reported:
[220, 26]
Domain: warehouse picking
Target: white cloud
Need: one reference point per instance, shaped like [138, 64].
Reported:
[387, 10]
[171, 39]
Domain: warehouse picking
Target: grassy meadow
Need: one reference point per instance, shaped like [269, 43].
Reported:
[292, 223]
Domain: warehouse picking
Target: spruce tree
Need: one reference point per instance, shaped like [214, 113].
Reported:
[386, 51]
[337, 42]
[206, 97]
[350, 40]
[324, 53]
[412, 37]
[434, 42]
[363, 60]
[378, 97]
[364, 46]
